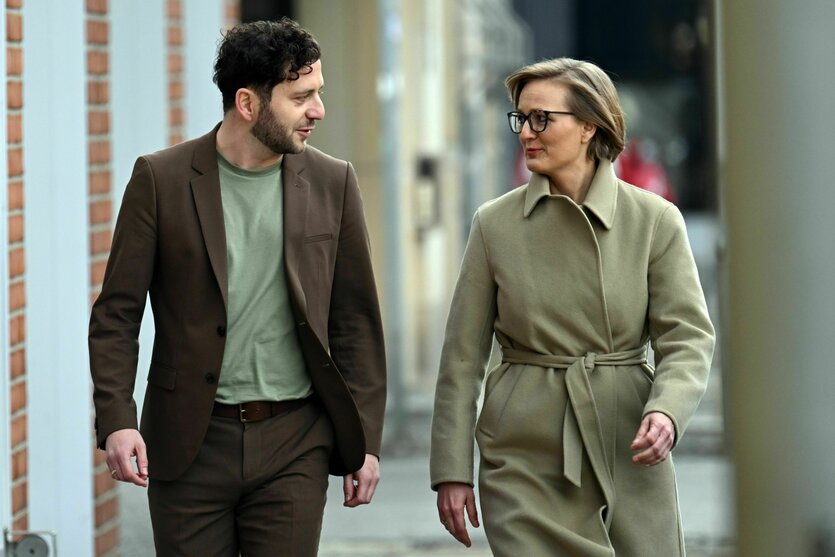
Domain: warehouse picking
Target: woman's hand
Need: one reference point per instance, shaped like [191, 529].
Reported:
[453, 498]
[655, 439]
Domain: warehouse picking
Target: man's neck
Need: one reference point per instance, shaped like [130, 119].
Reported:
[238, 146]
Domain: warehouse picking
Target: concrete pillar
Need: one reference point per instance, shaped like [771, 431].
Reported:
[778, 174]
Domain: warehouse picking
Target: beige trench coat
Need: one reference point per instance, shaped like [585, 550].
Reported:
[573, 294]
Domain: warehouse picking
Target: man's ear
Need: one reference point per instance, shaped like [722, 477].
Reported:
[247, 104]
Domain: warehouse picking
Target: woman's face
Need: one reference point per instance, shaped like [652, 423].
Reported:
[564, 143]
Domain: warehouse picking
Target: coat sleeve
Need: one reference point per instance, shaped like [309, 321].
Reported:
[680, 330]
[117, 313]
[464, 358]
[355, 332]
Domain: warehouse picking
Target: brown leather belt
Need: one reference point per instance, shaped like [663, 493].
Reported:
[257, 410]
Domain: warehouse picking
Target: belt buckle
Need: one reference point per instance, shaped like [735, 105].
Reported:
[241, 413]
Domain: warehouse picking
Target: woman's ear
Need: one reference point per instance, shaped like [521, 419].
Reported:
[589, 130]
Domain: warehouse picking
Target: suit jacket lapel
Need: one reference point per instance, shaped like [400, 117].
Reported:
[296, 194]
[206, 191]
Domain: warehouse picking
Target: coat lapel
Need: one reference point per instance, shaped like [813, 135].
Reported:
[296, 197]
[206, 191]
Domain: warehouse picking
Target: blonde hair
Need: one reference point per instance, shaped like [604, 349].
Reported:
[593, 99]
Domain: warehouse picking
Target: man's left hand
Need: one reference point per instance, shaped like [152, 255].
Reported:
[359, 487]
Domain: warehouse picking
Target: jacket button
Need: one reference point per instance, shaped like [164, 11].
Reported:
[209, 378]
[221, 331]
[303, 324]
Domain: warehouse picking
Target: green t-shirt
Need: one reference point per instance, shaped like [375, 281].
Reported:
[262, 359]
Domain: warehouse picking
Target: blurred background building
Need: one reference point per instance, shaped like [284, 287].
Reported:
[415, 99]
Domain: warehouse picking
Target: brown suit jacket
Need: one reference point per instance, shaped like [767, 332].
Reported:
[170, 242]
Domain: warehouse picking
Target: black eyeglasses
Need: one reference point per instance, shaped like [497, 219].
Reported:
[537, 119]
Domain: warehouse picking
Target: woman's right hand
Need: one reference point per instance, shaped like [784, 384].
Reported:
[453, 499]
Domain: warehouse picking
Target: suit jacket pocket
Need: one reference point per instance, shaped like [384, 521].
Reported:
[317, 238]
[497, 390]
[162, 376]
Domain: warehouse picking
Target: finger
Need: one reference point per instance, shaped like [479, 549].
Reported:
[642, 430]
[348, 487]
[460, 526]
[366, 488]
[142, 461]
[127, 474]
[472, 510]
[650, 437]
[655, 453]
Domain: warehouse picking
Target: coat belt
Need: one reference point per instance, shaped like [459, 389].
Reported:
[581, 428]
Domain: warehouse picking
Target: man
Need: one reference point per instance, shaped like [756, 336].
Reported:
[268, 367]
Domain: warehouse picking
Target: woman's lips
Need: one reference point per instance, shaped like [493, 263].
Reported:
[532, 152]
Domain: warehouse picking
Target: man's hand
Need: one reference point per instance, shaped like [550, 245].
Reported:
[654, 439]
[453, 498]
[120, 446]
[359, 487]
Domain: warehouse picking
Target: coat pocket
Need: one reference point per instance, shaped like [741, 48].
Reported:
[317, 238]
[497, 391]
[162, 376]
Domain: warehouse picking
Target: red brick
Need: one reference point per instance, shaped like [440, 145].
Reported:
[19, 430]
[94, 296]
[174, 9]
[175, 63]
[18, 362]
[19, 463]
[100, 242]
[15, 228]
[19, 497]
[17, 262]
[15, 191]
[17, 329]
[107, 540]
[99, 456]
[175, 35]
[175, 117]
[14, 94]
[97, 273]
[103, 482]
[14, 27]
[175, 138]
[97, 32]
[98, 92]
[21, 523]
[14, 3]
[97, 6]
[14, 61]
[15, 160]
[98, 121]
[107, 510]
[101, 212]
[18, 396]
[97, 62]
[175, 90]
[14, 128]
[233, 13]
[99, 152]
[100, 181]
[17, 295]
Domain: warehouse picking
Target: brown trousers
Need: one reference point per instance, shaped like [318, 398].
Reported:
[255, 489]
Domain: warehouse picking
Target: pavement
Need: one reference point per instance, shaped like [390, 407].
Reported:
[402, 520]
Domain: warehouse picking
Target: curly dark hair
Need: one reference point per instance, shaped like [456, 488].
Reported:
[260, 55]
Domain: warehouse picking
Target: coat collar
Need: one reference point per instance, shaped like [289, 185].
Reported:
[601, 199]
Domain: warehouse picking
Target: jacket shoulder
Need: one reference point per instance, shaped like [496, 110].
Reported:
[640, 202]
[505, 206]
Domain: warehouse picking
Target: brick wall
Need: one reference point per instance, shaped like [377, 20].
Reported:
[17, 271]
[176, 92]
[100, 230]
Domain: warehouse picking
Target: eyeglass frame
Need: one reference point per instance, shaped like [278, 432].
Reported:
[515, 114]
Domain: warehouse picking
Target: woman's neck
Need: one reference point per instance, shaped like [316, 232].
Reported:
[574, 182]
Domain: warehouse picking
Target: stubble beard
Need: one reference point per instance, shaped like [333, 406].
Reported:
[275, 136]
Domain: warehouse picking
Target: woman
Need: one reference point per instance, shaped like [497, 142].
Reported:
[574, 273]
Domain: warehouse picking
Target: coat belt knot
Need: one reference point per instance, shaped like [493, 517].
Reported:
[581, 427]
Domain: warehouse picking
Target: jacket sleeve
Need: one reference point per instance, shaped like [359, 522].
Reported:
[355, 332]
[117, 313]
[680, 330]
[464, 357]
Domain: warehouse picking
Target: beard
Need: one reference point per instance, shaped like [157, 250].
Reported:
[277, 137]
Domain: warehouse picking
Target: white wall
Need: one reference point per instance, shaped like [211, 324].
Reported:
[203, 104]
[57, 273]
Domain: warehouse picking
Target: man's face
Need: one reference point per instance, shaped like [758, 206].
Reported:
[285, 121]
